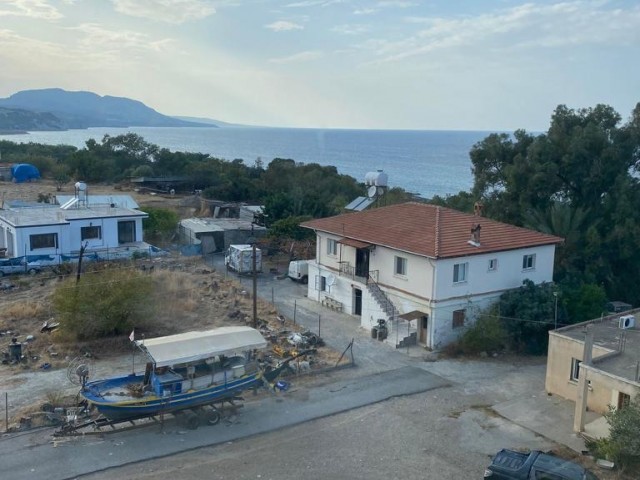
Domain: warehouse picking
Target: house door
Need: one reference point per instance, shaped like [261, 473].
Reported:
[357, 301]
[362, 262]
[424, 324]
[623, 400]
[127, 232]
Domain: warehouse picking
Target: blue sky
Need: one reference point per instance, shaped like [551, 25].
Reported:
[465, 64]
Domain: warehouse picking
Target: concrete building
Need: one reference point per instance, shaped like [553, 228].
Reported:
[426, 270]
[595, 364]
[53, 233]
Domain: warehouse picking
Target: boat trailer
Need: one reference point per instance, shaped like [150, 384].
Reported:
[191, 418]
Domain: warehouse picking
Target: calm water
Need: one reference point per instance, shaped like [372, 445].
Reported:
[424, 162]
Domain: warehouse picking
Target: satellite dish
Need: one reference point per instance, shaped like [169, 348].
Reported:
[331, 279]
[371, 191]
[380, 190]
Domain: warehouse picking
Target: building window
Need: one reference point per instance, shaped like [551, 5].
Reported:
[401, 266]
[575, 369]
[91, 233]
[321, 283]
[332, 246]
[493, 264]
[529, 262]
[43, 240]
[458, 319]
[460, 272]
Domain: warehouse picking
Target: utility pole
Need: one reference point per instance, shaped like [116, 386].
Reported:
[555, 312]
[255, 284]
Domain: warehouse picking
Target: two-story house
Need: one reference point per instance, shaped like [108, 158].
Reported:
[425, 269]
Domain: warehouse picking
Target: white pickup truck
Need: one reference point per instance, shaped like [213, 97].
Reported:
[299, 271]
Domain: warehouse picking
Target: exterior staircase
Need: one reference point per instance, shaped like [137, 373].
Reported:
[392, 319]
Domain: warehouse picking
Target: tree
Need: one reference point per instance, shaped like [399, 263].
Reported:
[161, 223]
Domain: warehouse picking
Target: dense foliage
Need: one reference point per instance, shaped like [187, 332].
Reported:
[623, 444]
[107, 302]
[579, 181]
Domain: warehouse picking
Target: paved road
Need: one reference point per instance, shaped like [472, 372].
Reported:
[396, 414]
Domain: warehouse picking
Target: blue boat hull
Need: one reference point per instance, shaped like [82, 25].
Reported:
[124, 407]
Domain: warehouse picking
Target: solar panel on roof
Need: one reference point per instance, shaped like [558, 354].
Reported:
[360, 204]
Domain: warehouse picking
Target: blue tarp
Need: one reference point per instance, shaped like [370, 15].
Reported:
[24, 172]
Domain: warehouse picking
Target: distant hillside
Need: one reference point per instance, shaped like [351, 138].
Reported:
[84, 110]
[209, 121]
[14, 119]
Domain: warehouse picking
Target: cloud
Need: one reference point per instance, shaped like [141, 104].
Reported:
[298, 57]
[314, 3]
[98, 38]
[283, 26]
[350, 29]
[169, 11]
[30, 8]
[573, 23]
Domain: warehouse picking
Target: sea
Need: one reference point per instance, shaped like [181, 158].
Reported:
[423, 162]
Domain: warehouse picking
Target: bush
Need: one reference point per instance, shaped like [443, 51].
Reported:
[104, 303]
[623, 444]
[487, 335]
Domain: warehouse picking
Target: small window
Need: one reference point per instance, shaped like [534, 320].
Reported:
[575, 369]
[529, 262]
[493, 264]
[43, 240]
[458, 318]
[460, 272]
[91, 233]
[401, 266]
[332, 246]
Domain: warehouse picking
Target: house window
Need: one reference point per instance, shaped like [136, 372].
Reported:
[127, 231]
[575, 369]
[493, 264]
[460, 272]
[321, 283]
[401, 266]
[91, 233]
[332, 246]
[458, 319]
[43, 240]
[529, 262]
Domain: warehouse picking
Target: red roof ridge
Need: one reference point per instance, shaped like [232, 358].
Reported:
[437, 246]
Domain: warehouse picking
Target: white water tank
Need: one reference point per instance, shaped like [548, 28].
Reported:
[378, 178]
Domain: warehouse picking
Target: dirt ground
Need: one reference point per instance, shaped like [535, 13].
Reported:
[189, 295]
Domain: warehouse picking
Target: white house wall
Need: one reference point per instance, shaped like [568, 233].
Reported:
[509, 273]
[23, 242]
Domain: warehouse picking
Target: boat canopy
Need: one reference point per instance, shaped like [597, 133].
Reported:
[194, 346]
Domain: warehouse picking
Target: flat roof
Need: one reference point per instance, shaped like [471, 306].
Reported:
[608, 335]
[209, 225]
[54, 215]
[94, 200]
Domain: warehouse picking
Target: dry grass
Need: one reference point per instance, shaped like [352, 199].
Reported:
[24, 310]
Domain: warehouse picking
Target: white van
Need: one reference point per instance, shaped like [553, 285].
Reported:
[299, 271]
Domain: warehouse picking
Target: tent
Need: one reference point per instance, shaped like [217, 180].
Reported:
[24, 172]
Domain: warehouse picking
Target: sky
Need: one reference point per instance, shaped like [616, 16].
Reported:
[372, 64]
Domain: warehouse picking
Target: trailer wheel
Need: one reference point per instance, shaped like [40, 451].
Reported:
[190, 419]
[212, 417]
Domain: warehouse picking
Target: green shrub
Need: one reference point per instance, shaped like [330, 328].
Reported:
[104, 303]
[486, 335]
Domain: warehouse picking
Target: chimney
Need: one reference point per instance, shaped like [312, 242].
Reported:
[475, 235]
[478, 208]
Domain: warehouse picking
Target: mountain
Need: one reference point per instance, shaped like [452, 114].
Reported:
[209, 121]
[14, 120]
[86, 109]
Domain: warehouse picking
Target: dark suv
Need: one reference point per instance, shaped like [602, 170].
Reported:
[534, 465]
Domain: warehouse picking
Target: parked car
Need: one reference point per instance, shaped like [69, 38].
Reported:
[18, 265]
[534, 465]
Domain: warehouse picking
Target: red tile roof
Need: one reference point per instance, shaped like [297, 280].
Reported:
[429, 230]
